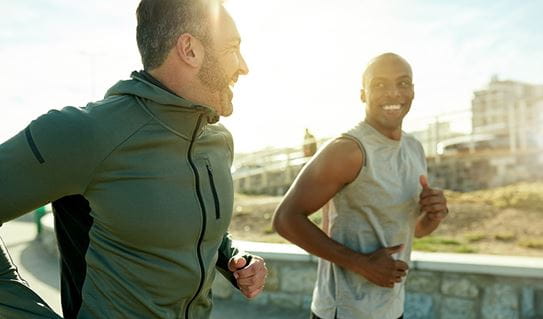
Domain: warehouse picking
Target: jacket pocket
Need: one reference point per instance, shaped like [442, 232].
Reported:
[213, 190]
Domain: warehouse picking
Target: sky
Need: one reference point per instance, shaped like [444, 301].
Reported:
[305, 58]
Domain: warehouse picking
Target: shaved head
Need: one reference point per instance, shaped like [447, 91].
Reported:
[387, 92]
[378, 60]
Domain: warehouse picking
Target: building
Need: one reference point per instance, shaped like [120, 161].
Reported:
[511, 112]
[434, 133]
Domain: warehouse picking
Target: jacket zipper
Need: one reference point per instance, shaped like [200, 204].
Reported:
[214, 191]
[204, 219]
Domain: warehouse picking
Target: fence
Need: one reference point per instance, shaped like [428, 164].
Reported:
[459, 157]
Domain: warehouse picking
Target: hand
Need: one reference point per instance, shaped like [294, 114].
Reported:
[250, 278]
[382, 270]
[432, 201]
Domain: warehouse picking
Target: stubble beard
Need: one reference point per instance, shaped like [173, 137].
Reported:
[214, 78]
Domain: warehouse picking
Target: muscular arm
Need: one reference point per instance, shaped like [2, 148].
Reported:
[51, 158]
[326, 174]
[337, 165]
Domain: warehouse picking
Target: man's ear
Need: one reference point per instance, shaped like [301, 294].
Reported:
[363, 95]
[190, 50]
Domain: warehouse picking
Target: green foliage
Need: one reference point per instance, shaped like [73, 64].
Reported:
[316, 218]
[474, 237]
[535, 243]
[522, 196]
[442, 244]
[505, 236]
[269, 230]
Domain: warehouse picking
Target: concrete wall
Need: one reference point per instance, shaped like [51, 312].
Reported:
[439, 286]
[485, 169]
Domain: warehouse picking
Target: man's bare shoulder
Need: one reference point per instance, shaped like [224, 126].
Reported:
[344, 148]
[341, 158]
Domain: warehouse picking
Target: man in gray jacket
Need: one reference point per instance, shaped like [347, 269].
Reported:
[152, 165]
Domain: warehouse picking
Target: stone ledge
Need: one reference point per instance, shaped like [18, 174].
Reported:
[286, 252]
[515, 266]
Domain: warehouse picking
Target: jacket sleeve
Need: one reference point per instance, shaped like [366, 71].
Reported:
[54, 156]
[17, 300]
[227, 251]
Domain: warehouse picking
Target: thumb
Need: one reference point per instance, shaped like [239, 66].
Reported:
[394, 249]
[236, 262]
[424, 182]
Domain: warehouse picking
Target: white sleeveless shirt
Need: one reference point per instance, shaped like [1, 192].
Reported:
[378, 209]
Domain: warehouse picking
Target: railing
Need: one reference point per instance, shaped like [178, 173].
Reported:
[446, 138]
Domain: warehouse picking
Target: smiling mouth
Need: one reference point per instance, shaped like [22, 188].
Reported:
[231, 84]
[233, 80]
[392, 107]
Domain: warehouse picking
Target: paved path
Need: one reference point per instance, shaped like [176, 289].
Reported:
[40, 269]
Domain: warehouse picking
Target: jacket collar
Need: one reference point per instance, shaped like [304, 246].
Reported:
[172, 111]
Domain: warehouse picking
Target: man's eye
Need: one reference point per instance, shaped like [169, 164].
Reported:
[405, 84]
[379, 85]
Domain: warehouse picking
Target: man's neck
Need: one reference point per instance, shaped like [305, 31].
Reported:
[391, 133]
[171, 83]
[156, 82]
[182, 84]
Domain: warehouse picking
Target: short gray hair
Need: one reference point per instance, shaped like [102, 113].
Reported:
[161, 22]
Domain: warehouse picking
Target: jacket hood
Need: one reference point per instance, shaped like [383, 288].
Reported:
[140, 87]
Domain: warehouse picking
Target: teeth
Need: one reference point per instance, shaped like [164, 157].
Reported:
[393, 107]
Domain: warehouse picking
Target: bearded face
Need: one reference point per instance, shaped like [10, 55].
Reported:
[213, 76]
[222, 63]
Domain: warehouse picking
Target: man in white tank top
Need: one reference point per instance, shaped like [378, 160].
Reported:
[373, 177]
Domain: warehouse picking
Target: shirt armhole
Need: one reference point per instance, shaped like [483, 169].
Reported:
[362, 149]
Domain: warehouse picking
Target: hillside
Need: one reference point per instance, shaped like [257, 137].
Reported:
[504, 221]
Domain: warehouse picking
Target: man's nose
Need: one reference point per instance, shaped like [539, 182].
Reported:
[393, 91]
[243, 68]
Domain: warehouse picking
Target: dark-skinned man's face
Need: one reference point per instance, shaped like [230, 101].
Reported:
[388, 92]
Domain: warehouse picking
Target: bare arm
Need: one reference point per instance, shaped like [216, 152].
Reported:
[327, 173]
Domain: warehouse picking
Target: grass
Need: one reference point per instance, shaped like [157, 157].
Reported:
[527, 196]
[269, 230]
[442, 244]
[505, 236]
[535, 243]
[316, 218]
[474, 237]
